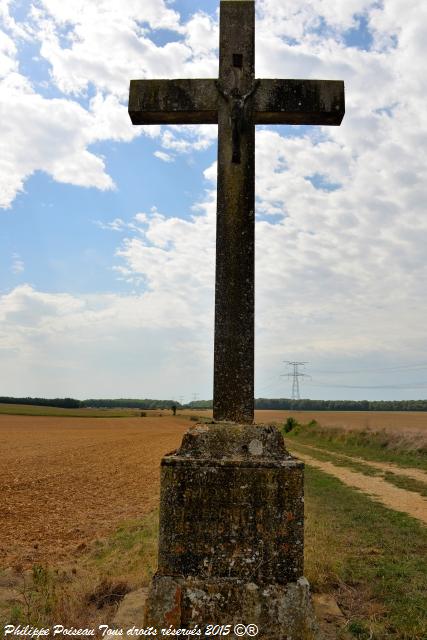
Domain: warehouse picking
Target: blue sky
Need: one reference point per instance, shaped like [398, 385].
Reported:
[107, 231]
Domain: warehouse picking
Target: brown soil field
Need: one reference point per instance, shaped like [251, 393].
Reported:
[409, 421]
[65, 481]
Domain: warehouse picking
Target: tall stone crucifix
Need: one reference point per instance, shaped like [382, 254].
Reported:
[236, 102]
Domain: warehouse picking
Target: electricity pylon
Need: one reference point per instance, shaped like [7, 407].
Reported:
[296, 375]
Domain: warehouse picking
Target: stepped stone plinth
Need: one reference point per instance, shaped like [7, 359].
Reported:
[231, 539]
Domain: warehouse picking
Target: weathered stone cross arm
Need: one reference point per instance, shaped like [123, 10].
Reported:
[275, 102]
[236, 101]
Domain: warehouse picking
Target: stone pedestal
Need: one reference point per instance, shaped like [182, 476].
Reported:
[231, 535]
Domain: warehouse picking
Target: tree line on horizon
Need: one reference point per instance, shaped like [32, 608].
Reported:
[72, 403]
[304, 404]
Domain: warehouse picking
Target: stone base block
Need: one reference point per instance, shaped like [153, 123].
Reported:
[232, 506]
[231, 537]
[280, 612]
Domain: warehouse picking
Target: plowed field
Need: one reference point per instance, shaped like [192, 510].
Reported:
[67, 481]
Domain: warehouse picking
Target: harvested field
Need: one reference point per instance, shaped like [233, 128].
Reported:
[67, 481]
[408, 421]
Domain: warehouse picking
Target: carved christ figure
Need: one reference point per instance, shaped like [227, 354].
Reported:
[238, 114]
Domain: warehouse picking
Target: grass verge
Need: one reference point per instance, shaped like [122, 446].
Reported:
[403, 449]
[406, 483]
[372, 559]
[403, 482]
[336, 459]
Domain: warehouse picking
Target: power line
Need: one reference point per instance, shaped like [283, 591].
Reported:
[269, 383]
[415, 385]
[295, 374]
[405, 367]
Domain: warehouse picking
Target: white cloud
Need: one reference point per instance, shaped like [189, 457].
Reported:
[115, 225]
[202, 34]
[163, 250]
[188, 138]
[300, 19]
[53, 135]
[341, 228]
[101, 44]
[110, 121]
[153, 13]
[17, 29]
[106, 43]
[70, 345]
[47, 135]
[25, 306]
[165, 157]
[8, 62]
[327, 288]
[18, 265]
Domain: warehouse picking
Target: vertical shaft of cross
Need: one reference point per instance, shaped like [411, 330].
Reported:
[234, 291]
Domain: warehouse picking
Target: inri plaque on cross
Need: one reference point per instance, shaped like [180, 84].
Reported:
[236, 102]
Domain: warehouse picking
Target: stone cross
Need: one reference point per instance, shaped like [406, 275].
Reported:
[236, 102]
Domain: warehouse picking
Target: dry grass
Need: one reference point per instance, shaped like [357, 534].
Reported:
[86, 590]
[390, 421]
[404, 448]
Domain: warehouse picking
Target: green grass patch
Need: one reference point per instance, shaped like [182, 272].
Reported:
[85, 591]
[379, 446]
[336, 459]
[403, 482]
[130, 552]
[373, 559]
[37, 410]
[406, 483]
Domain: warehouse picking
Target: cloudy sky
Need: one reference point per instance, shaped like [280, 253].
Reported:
[107, 231]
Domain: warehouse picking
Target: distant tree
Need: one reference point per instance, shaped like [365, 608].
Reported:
[260, 403]
[66, 403]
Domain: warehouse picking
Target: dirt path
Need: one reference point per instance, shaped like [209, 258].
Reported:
[375, 487]
[408, 472]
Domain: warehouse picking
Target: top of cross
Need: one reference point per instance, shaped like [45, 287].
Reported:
[236, 101]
